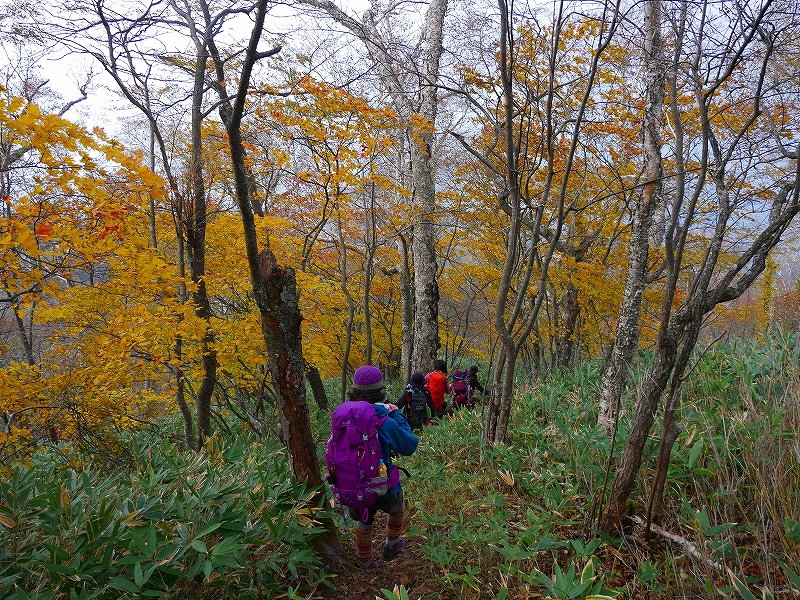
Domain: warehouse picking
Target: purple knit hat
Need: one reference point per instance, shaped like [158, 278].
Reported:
[368, 378]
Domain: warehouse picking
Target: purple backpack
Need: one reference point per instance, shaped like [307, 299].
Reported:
[352, 456]
[460, 389]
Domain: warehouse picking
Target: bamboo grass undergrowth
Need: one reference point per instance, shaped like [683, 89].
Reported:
[503, 522]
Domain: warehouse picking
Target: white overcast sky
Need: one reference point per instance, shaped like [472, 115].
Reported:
[103, 107]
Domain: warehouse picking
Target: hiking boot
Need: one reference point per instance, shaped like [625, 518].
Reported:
[392, 549]
[371, 564]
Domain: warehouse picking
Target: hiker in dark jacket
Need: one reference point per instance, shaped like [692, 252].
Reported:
[395, 437]
[416, 418]
[474, 384]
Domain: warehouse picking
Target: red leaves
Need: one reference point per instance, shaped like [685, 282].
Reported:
[44, 230]
[107, 229]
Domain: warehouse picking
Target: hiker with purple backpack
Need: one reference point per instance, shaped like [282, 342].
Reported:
[365, 433]
[462, 395]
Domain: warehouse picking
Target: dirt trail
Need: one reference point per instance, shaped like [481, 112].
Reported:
[410, 569]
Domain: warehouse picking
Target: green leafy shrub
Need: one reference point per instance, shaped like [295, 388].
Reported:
[228, 522]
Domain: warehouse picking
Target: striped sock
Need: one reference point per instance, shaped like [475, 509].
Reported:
[394, 526]
[364, 543]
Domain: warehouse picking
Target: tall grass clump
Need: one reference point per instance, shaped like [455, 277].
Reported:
[735, 473]
[230, 521]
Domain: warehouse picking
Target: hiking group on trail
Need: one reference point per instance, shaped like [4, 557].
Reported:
[367, 431]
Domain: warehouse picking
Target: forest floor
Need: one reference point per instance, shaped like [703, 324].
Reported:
[423, 579]
[410, 569]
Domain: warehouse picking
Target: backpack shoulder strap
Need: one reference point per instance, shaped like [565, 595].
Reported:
[382, 419]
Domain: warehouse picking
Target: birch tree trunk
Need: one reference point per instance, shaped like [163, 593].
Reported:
[626, 340]
[413, 93]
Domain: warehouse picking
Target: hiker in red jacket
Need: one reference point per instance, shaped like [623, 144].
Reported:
[438, 386]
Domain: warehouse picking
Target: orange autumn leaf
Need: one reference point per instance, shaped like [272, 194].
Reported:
[44, 230]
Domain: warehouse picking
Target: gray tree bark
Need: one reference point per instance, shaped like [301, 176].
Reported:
[351, 311]
[407, 299]
[517, 312]
[417, 109]
[196, 237]
[119, 60]
[25, 334]
[566, 342]
[626, 340]
[369, 270]
[711, 281]
[317, 387]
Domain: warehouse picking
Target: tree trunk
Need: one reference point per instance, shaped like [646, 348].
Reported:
[25, 337]
[426, 287]
[280, 324]
[627, 337]
[671, 433]
[671, 429]
[351, 312]
[407, 299]
[134, 86]
[196, 238]
[275, 291]
[152, 202]
[492, 416]
[505, 366]
[566, 345]
[656, 382]
[276, 295]
[369, 266]
[282, 332]
[180, 389]
[731, 279]
[317, 387]
[180, 398]
[418, 109]
[507, 396]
